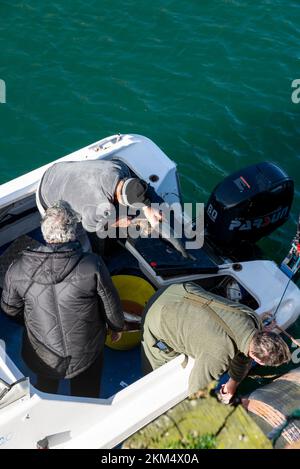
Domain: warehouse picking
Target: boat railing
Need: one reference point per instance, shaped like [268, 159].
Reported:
[10, 393]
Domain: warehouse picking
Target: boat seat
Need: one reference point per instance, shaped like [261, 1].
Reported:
[167, 262]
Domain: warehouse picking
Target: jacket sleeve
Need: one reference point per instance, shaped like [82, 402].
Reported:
[205, 370]
[110, 298]
[11, 301]
[239, 367]
[92, 221]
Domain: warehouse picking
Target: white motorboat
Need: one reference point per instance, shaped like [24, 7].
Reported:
[30, 418]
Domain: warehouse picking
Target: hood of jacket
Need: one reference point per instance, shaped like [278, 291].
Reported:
[52, 263]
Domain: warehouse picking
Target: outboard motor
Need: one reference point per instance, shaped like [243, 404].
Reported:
[248, 205]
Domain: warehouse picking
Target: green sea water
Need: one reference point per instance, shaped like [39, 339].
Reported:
[208, 81]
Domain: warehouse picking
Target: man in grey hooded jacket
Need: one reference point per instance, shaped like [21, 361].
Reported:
[69, 303]
[95, 189]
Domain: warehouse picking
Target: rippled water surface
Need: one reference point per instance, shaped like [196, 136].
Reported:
[209, 82]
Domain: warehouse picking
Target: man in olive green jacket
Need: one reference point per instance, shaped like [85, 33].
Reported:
[219, 334]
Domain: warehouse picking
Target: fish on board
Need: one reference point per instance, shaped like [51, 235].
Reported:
[167, 233]
[131, 317]
[165, 230]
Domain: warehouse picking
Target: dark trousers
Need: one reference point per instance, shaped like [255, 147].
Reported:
[86, 384]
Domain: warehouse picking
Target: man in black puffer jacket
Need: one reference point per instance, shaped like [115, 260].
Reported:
[68, 301]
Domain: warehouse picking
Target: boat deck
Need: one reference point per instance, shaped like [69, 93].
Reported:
[121, 368]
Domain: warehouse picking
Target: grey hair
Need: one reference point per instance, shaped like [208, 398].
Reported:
[59, 224]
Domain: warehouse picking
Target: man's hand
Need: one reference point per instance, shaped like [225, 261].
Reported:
[153, 216]
[115, 336]
[227, 391]
[122, 223]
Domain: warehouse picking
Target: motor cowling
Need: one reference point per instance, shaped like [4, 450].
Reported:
[248, 204]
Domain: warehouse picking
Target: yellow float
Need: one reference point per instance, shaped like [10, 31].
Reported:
[134, 293]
